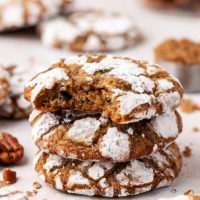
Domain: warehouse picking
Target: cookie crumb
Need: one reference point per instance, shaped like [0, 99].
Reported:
[173, 190]
[195, 129]
[190, 193]
[3, 183]
[29, 193]
[36, 185]
[188, 106]
[9, 176]
[187, 151]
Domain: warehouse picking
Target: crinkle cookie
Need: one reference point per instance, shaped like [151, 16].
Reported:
[15, 106]
[90, 30]
[4, 84]
[123, 89]
[88, 136]
[15, 14]
[110, 179]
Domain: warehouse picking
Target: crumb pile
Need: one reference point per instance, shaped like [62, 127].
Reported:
[188, 106]
[182, 52]
[105, 125]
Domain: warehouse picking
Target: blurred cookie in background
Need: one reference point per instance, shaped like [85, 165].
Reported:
[16, 14]
[182, 59]
[90, 30]
[14, 106]
[4, 85]
[193, 5]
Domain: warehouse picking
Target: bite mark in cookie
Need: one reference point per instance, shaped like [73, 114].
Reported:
[119, 88]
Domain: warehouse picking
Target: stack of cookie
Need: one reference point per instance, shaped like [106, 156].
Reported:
[105, 125]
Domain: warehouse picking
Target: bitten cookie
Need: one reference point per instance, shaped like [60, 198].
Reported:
[110, 179]
[4, 85]
[15, 14]
[88, 136]
[123, 89]
[15, 106]
[90, 30]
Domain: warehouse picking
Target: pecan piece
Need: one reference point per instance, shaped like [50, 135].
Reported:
[9, 176]
[10, 150]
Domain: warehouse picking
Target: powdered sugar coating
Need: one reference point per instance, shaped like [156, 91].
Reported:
[43, 125]
[98, 170]
[129, 93]
[52, 161]
[83, 130]
[113, 179]
[76, 177]
[138, 172]
[17, 14]
[59, 184]
[129, 101]
[165, 125]
[95, 26]
[169, 101]
[115, 145]
[164, 85]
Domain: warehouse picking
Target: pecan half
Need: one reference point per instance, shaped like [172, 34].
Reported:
[10, 149]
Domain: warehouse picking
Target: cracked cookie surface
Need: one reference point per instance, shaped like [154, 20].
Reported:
[110, 179]
[88, 136]
[15, 14]
[90, 30]
[122, 89]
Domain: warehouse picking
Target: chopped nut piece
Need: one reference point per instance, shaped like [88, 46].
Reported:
[173, 190]
[189, 106]
[9, 176]
[29, 193]
[187, 151]
[36, 185]
[195, 129]
[190, 193]
[34, 192]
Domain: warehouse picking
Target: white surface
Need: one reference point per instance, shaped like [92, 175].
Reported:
[156, 26]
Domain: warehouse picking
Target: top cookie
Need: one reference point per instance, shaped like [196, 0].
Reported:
[4, 85]
[16, 14]
[90, 30]
[123, 89]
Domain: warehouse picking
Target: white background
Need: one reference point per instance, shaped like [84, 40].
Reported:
[19, 47]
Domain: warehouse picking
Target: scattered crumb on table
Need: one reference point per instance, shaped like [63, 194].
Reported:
[189, 106]
[195, 129]
[187, 151]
